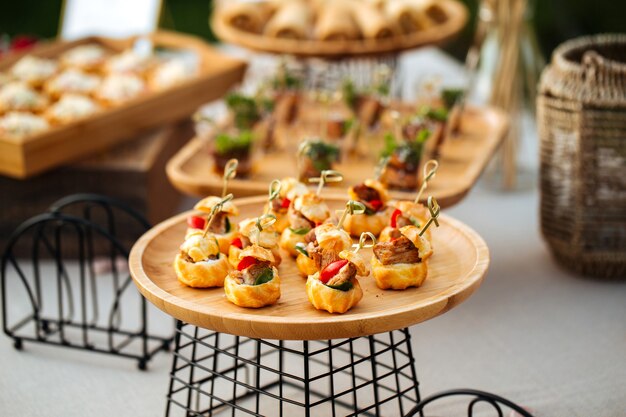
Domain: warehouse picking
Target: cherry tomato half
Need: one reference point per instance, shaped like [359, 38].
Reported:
[236, 242]
[196, 222]
[286, 202]
[331, 270]
[376, 204]
[246, 262]
[394, 218]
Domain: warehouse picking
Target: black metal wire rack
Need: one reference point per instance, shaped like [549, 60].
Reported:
[220, 374]
[55, 296]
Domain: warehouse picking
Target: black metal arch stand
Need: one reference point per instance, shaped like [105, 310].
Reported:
[224, 375]
[63, 309]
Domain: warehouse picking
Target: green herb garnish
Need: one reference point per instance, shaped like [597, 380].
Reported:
[349, 93]
[450, 96]
[227, 224]
[390, 145]
[301, 230]
[439, 114]
[344, 286]
[300, 248]
[321, 154]
[225, 143]
[264, 277]
[244, 108]
[286, 81]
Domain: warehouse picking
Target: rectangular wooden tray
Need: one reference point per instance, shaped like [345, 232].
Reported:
[463, 158]
[22, 158]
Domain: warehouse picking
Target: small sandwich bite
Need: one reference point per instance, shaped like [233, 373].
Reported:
[71, 107]
[249, 235]
[17, 125]
[306, 212]
[221, 226]
[373, 195]
[321, 246]
[19, 96]
[335, 288]
[199, 264]
[405, 213]
[33, 70]
[255, 282]
[72, 81]
[169, 74]
[120, 88]
[401, 262]
[279, 207]
[88, 57]
[129, 62]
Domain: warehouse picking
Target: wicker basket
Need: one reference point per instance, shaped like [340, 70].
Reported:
[581, 116]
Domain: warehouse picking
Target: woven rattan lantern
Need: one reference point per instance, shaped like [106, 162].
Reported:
[582, 126]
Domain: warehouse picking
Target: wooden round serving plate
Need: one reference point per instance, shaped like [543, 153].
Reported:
[456, 18]
[455, 271]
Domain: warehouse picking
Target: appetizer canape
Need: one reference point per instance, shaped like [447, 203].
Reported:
[71, 107]
[286, 87]
[290, 189]
[34, 70]
[255, 283]
[200, 263]
[116, 89]
[169, 74]
[315, 156]
[257, 231]
[373, 195]
[322, 244]
[17, 125]
[72, 81]
[407, 213]
[84, 57]
[237, 145]
[402, 262]
[129, 62]
[367, 105]
[335, 287]
[403, 161]
[18, 96]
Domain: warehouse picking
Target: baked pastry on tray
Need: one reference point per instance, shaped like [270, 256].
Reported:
[373, 195]
[72, 81]
[34, 70]
[18, 125]
[221, 226]
[120, 88]
[88, 57]
[306, 212]
[255, 282]
[71, 107]
[200, 264]
[19, 96]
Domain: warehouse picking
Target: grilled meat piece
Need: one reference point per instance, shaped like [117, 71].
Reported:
[249, 275]
[298, 221]
[321, 257]
[345, 274]
[310, 237]
[218, 225]
[399, 251]
[366, 193]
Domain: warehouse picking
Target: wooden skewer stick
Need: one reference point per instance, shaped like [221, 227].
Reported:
[328, 175]
[381, 167]
[274, 192]
[352, 207]
[230, 172]
[434, 210]
[216, 208]
[429, 173]
[362, 241]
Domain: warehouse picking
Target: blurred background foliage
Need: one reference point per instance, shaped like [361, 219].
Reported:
[554, 20]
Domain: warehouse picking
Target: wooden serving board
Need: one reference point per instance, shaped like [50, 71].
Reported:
[456, 19]
[455, 271]
[24, 157]
[462, 160]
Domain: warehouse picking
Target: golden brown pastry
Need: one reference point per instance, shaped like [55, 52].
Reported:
[249, 235]
[247, 16]
[88, 57]
[199, 264]
[409, 15]
[401, 262]
[255, 283]
[372, 22]
[221, 226]
[373, 195]
[335, 22]
[117, 89]
[335, 288]
[71, 107]
[321, 246]
[405, 213]
[293, 20]
[16, 125]
[19, 96]
[129, 62]
[279, 207]
[72, 81]
[306, 212]
[33, 70]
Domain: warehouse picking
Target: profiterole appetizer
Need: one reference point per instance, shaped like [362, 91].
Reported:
[279, 206]
[255, 282]
[315, 156]
[373, 195]
[335, 287]
[257, 231]
[200, 264]
[221, 226]
[402, 262]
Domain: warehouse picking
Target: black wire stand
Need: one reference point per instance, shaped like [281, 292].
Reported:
[55, 296]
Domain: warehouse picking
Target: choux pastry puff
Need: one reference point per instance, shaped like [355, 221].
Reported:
[250, 235]
[255, 283]
[335, 288]
[375, 197]
[402, 262]
[327, 238]
[405, 213]
[305, 212]
[200, 264]
[289, 190]
[221, 227]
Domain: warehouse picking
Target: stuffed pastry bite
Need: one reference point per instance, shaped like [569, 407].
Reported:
[19, 96]
[405, 213]
[221, 226]
[120, 88]
[72, 81]
[373, 195]
[129, 62]
[255, 282]
[17, 125]
[88, 57]
[255, 231]
[200, 264]
[33, 70]
[71, 107]
[290, 189]
[321, 245]
[306, 212]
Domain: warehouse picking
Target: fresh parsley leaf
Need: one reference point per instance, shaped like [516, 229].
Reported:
[450, 96]
[244, 109]
[439, 114]
[301, 230]
[227, 224]
[321, 154]
[389, 146]
[264, 277]
[344, 286]
[300, 248]
[225, 143]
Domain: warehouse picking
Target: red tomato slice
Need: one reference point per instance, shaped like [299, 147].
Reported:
[376, 204]
[286, 202]
[196, 222]
[331, 270]
[246, 262]
[236, 242]
[394, 218]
